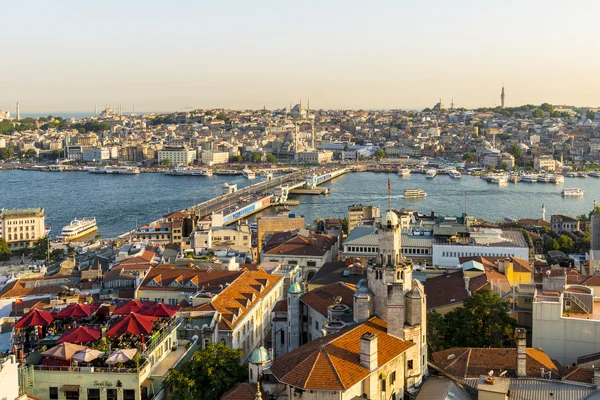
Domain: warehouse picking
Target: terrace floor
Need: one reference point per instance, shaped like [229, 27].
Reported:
[169, 361]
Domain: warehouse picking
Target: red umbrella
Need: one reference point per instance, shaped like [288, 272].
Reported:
[131, 306]
[35, 317]
[77, 311]
[132, 323]
[161, 310]
[82, 334]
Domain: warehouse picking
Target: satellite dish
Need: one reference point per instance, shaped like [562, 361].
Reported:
[502, 373]
[491, 373]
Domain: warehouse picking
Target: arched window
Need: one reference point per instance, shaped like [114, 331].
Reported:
[9, 236]
[21, 236]
[27, 235]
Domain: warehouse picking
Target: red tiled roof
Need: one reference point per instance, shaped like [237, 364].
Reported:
[165, 274]
[321, 298]
[333, 362]
[240, 391]
[241, 295]
[280, 306]
[578, 374]
[467, 362]
[293, 244]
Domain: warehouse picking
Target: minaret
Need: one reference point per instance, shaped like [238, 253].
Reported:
[95, 110]
[120, 110]
[296, 141]
[308, 107]
[543, 211]
[18, 112]
[452, 104]
[133, 112]
[502, 96]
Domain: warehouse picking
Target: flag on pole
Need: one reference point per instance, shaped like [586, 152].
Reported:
[389, 184]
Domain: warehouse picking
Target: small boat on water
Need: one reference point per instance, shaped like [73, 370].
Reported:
[414, 194]
[248, 173]
[454, 174]
[558, 179]
[227, 172]
[78, 228]
[594, 174]
[184, 171]
[498, 179]
[431, 173]
[582, 175]
[572, 192]
[229, 188]
[530, 178]
[547, 178]
[403, 172]
[114, 170]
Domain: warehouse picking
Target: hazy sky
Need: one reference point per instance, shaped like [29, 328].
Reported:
[177, 55]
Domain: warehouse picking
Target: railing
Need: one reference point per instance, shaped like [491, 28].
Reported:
[92, 370]
[576, 300]
[172, 325]
[550, 299]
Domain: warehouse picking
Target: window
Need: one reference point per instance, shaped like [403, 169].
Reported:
[129, 394]
[392, 378]
[383, 385]
[72, 395]
[111, 394]
[311, 263]
[93, 394]
[410, 364]
[282, 337]
[317, 325]
[53, 393]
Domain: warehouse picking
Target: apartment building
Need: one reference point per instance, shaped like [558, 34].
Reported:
[177, 155]
[21, 228]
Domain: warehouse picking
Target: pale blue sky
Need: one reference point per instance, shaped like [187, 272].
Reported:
[158, 55]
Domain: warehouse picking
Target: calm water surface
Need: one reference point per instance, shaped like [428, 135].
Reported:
[118, 202]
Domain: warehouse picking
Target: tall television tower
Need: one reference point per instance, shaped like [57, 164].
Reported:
[502, 96]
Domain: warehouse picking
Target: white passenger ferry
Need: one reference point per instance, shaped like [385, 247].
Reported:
[114, 170]
[184, 171]
[414, 194]
[248, 173]
[78, 228]
[572, 192]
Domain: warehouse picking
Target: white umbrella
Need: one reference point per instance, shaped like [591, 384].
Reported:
[121, 356]
[87, 355]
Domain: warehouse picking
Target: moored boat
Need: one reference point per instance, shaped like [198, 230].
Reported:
[78, 228]
[403, 172]
[572, 192]
[414, 194]
[431, 173]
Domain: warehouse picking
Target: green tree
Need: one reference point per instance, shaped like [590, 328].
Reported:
[590, 115]
[271, 158]
[482, 321]
[551, 244]
[504, 165]
[165, 162]
[468, 157]
[256, 157]
[537, 113]
[345, 225]
[209, 374]
[435, 331]
[31, 153]
[236, 159]
[515, 151]
[547, 107]
[565, 243]
[57, 254]
[40, 249]
[5, 252]
[379, 154]
[6, 153]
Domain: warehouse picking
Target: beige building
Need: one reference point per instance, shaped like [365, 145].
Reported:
[544, 163]
[277, 224]
[211, 158]
[177, 155]
[315, 157]
[21, 228]
[357, 213]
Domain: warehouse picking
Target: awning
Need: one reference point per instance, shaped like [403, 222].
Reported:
[147, 383]
[70, 388]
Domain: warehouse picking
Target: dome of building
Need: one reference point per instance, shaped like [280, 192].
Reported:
[295, 288]
[391, 218]
[523, 146]
[260, 355]
[362, 288]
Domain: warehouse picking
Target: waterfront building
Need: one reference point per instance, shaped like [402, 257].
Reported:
[177, 155]
[358, 214]
[315, 157]
[160, 232]
[95, 154]
[302, 248]
[237, 237]
[564, 223]
[544, 163]
[21, 228]
[361, 242]
[211, 158]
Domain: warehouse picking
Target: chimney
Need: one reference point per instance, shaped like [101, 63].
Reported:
[368, 351]
[467, 280]
[521, 352]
